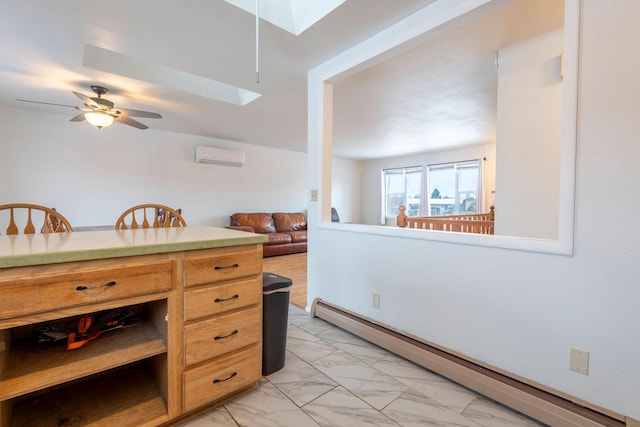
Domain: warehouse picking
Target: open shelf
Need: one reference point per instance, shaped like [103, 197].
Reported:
[122, 397]
[30, 369]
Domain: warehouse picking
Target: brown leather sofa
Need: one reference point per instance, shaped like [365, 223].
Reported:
[287, 232]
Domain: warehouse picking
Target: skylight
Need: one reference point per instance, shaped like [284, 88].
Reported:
[294, 16]
[135, 68]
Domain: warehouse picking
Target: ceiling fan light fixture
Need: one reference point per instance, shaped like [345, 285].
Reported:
[99, 120]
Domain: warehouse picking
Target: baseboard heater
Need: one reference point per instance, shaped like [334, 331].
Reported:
[535, 402]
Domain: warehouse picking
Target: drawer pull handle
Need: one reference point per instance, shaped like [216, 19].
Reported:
[220, 337]
[226, 299]
[84, 287]
[218, 267]
[226, 379]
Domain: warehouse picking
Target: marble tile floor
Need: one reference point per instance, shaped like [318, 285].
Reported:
[333, 378]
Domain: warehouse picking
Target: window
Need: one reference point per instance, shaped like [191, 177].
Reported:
[451, 188]
[454, 188]
[401, 186]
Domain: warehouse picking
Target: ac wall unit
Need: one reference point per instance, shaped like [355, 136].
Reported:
[219, 156]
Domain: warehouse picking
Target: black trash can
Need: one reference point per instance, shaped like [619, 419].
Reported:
[275, 314]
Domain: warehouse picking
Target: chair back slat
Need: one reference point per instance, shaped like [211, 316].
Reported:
[145, 222]
[134, 223]
[156, 222]
[167, 219]
[12, 228]
[29, 228]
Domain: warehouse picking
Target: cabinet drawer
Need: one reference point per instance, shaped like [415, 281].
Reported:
[223, 266]
[45, 291]
[214, 337]
[220, 298]
[212, 382]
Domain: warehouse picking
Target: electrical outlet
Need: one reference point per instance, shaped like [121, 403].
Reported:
[376, 300]
[314, 195]
[579, 360]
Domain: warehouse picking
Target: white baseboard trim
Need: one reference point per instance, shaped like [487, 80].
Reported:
[543, 405]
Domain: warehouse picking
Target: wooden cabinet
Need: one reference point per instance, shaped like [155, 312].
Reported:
[223, 324]
[194, 340]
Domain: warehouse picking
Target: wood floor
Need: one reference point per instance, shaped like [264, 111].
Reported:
[294, 267]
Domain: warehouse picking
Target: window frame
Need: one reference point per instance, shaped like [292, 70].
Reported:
[405, 171]
[456, 165]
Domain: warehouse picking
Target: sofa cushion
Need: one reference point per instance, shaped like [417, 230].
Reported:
[260, 222]
[274, 250]
[285, 222]
[278, 238]
[298, 236]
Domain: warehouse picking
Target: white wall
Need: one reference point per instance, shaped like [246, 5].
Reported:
[518, 310]
[372, 193]
[91, 176]
[346, 189]
[529, 134]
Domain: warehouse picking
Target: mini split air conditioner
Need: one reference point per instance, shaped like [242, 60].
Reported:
[219, 156]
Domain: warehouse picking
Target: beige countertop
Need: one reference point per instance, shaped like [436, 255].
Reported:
[49, 248]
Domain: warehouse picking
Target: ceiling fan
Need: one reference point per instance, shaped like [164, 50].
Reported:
[100, 112]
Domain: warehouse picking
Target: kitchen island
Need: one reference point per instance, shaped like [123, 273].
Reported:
[192, 339]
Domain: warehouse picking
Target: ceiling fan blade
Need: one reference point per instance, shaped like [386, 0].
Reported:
[127, 121]
[87, 100]
[78, 118]
[46, 103]
[138, 113]
[105, 103]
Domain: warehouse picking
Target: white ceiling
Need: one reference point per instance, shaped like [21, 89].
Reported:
[184, 48]
[440, 94]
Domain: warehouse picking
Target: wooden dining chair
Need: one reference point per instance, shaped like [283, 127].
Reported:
[52, 220]
[152, 216]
